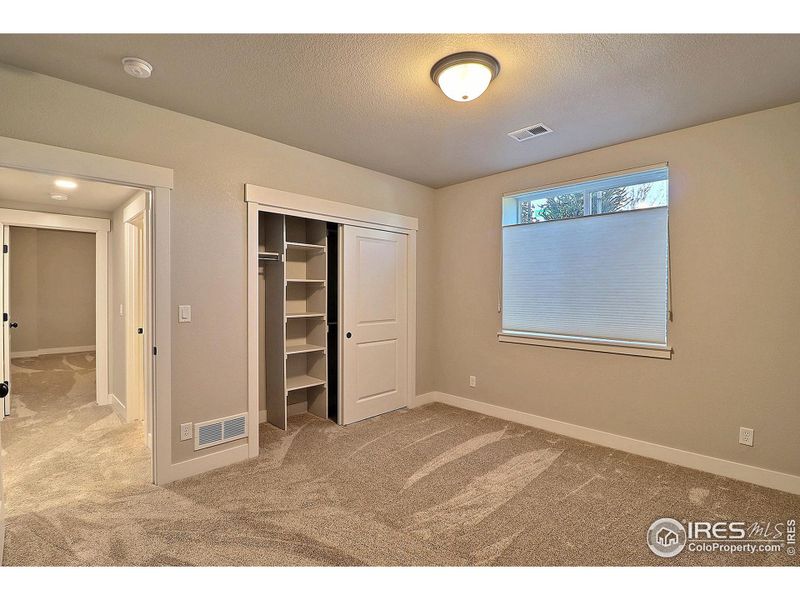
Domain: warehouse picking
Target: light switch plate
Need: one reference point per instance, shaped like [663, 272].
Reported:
[184, 313]
[121, 310]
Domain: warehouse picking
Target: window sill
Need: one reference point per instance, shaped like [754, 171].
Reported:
[591, 345]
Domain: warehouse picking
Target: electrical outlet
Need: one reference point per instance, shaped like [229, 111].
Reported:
[473, 381]
[186, 431]
[746, 436]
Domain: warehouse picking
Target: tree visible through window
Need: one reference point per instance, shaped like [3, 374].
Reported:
[584, 203]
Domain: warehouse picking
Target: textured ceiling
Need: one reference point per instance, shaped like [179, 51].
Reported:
[368, 99]
[34, 188]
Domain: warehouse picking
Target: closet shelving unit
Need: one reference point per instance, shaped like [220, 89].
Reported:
[293, 256]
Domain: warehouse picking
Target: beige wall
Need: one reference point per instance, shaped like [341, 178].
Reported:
[208, 230]
[52, 287]
[735, 243]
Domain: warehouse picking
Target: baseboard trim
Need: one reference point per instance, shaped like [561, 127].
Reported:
[207, 462]
[262, 416]
[684, 458]
[424, 399]
[119, 407]
[46, 351]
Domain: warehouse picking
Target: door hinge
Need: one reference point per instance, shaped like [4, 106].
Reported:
[155, 351]
[5, 248]
[5, 317]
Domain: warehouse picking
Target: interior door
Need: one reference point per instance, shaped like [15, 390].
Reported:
[4, 376]
[138, 406]
[375, 323]
[5, 346]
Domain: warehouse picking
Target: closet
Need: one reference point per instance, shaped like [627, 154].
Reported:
[293, 257]
[331, 310]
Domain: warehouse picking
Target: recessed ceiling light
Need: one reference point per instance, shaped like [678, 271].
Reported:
[136, 67]
[65, 184]
[58, 196]
[466, 75]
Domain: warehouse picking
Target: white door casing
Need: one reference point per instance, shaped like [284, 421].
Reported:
[375, 323]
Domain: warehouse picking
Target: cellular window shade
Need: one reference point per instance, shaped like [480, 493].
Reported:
[602, 277]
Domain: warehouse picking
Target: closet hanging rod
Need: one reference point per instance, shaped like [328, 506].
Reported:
[269, 256]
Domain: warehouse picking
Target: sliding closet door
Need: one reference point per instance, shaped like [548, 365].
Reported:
[374, 361]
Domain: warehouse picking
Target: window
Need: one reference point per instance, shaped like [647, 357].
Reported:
[586, 263]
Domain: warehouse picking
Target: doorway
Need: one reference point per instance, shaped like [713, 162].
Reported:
[158, 182]
[54, 325]
[72, 363]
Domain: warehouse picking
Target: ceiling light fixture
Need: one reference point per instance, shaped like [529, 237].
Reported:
[136, 67]
[65, 184]
[466, 75]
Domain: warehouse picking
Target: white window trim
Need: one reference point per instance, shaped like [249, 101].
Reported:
[589, 344]
[509, 203]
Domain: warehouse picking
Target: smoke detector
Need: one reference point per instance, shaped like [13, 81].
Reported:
[530, 132]
[136, 67]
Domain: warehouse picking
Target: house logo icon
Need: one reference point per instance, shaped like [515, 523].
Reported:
[666, 537]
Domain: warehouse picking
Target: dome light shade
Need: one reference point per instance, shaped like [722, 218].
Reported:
[466, 75]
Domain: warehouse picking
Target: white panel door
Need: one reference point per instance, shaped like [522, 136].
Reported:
[5, 346]
[4, 375]
[375, 323]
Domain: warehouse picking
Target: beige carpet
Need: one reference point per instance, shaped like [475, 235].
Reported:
[430, 486]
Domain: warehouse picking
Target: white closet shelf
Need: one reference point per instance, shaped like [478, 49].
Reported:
[305, 315]
[304, 246]
[295, 280]
[303, 348]
[299, 382]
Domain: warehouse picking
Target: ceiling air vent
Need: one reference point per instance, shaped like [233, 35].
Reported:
[528, 133]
